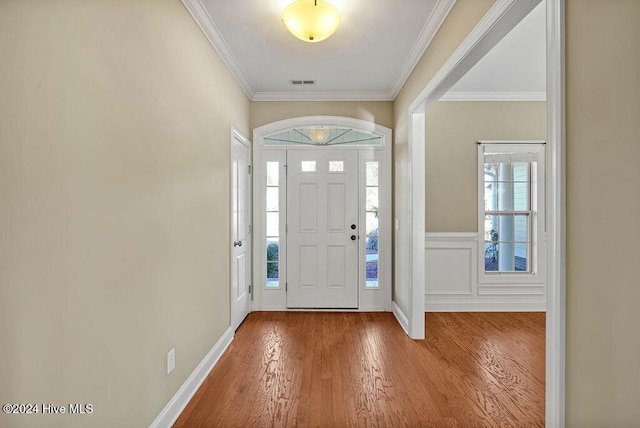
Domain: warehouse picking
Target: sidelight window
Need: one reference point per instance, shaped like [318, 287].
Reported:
[372, 251]
[273, 224]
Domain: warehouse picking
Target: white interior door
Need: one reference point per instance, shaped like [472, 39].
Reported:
[240, 230]
[322, 228]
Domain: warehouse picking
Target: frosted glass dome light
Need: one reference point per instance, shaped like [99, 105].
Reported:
[311, 20]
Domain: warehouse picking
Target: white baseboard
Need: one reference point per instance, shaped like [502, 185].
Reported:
[179, 401]
[285, 309]
[488, 306]
[401, 317]
[271, 309]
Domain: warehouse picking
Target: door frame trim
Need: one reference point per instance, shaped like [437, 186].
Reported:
[503, 16]
[275, 299]
[236, 135]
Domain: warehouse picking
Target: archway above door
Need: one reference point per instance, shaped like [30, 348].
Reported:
[323, 135]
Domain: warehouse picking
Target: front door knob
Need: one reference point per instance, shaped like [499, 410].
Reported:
[353, 237]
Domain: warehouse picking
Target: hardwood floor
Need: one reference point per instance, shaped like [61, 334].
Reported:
[301, 369]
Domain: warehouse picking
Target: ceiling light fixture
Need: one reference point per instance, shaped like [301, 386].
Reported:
[311, 20]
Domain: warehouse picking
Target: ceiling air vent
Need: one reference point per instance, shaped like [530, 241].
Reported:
[302, 82]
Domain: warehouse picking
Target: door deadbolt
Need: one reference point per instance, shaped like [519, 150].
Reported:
[353, 226]
[237, 243]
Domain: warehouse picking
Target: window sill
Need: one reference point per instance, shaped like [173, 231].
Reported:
[510, 278]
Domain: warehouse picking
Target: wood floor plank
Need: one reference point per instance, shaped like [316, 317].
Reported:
[306, 369]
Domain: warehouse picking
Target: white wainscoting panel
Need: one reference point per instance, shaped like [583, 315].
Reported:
[451, 264]
[451, 285]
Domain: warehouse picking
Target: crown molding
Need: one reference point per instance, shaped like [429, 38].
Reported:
[322, 96]
[206, 24]
[434, 22]
[482, 38]
[494, 96]
[431, 27]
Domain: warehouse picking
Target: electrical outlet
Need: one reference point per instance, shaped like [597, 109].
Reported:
[171, 360]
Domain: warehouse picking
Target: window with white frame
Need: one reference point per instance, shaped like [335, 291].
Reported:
[273, 224]
[372, 231]
[511, 207]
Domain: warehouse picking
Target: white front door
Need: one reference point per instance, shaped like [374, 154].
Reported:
[322, 228]
[240, 230]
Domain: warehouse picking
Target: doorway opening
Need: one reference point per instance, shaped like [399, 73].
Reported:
[502, 16]
[322, 217]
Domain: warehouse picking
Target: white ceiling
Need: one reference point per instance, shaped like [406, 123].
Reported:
[514, 69]
[369, 57]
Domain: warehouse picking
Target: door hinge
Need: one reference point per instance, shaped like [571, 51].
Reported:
[286, 228]
[286, 170]
[250, 229]
[250, 289]
[249, 167]
[286, 286]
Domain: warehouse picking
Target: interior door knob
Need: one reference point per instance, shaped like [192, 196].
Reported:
[237, 243]
[353, 237]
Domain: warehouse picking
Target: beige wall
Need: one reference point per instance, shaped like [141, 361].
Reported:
[264, 112]
[462, 18]
[114, 135]
[114, 129]
[603, 208]
[452, 130]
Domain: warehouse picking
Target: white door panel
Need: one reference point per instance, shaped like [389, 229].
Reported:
[336, 266]
[241, 239]
[322, 206]
[336, 198]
